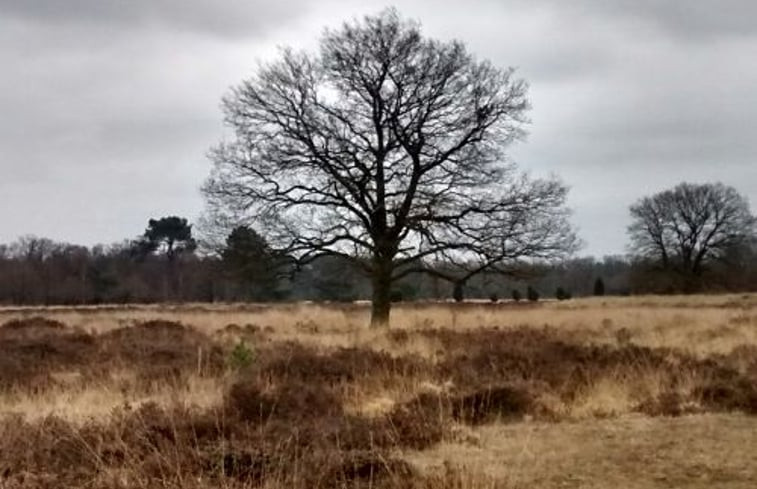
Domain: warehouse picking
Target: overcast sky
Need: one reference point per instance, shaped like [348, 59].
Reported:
[108, 107]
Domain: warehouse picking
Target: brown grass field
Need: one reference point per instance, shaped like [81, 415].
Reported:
[644, 392]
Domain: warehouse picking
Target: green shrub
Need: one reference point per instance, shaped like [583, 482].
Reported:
[241, 356]
[562, 294]
[599, 287]
[532, 294]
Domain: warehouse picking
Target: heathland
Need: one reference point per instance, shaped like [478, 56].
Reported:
[640, 392]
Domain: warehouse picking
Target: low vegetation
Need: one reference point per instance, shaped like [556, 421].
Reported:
[92, 398]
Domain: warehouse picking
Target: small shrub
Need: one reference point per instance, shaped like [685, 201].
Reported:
[561, 294]
[419, 423]
[160, 345]
[28, 359]
[241, 357]
[291, 402]
[665, 404]
[398, 336]
[623, 336]
[246, 401]
[494, 297]
[403, 292]
[368, 467]
[599, 287]
[32, 327]
[246, 466]
[516, 295]
[532, 294]
[293, 361]
[492, 403]
[738, 394]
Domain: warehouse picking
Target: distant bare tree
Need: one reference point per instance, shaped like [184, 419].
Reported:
[386, 149]
[686, 227]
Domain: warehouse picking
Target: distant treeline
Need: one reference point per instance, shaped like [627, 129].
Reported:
[164, 265]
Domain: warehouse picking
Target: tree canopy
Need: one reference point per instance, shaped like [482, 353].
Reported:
[249, 258]
[171, 236]
[691, 225]
[387, 149]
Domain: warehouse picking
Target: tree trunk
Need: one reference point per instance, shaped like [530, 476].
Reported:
[458, 292]
[382, 295]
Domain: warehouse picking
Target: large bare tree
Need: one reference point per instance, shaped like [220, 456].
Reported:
[386, 148]
[685, 227]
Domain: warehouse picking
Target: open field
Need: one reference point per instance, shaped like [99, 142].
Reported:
[641, 392]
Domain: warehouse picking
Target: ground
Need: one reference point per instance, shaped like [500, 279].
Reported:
[644, 392]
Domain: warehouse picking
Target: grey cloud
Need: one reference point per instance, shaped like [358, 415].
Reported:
[109, 107]
[246, 18]
[693, 19]
[103, 129]
[690, 19]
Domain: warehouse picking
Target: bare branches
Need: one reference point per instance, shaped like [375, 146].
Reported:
[389, 145]
[689, 225]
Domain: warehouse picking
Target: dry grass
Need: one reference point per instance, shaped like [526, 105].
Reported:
[701, 451]
[97, 400]
[700, 324]
[632, 392]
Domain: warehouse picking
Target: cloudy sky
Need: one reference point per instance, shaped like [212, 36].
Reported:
[108, 107]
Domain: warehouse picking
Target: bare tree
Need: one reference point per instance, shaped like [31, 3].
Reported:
[686, 227]
[386, 148]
